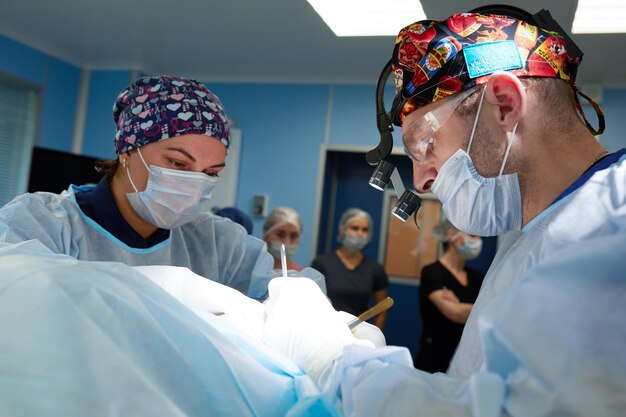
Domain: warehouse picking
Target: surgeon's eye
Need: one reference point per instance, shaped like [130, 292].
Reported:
[418, 151]
[428, 143]
[177, 164]
[215, 174]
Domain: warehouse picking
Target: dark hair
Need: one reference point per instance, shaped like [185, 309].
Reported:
[107, 167]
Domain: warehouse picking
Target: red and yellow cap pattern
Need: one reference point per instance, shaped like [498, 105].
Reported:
[434, 59]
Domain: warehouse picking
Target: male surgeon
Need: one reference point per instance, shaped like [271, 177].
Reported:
[490, 118]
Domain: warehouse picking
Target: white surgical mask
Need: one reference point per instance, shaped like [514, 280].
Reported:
[354, 243]
[172, 197]
[471, 247]
[475, 204]
[290, 249]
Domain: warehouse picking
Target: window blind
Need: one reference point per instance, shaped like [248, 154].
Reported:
[19, 108]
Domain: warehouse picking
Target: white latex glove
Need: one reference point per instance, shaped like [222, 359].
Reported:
[302, 325]
[206, 297]
[365, 330]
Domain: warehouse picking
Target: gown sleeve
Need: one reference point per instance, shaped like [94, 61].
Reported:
[37, 218]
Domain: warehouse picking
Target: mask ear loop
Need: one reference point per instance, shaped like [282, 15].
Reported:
[480, 106]
[128, 172]
[143, 160]
[510, 139]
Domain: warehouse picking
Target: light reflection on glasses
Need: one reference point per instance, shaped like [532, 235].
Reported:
[419, 135]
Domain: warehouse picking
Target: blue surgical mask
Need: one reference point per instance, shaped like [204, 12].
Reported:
[172, 197]
[354, 243]
[474, 204]
[471, 247]
[290, 249]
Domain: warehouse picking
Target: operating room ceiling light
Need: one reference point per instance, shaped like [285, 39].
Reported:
[600, 16]
[368, 17]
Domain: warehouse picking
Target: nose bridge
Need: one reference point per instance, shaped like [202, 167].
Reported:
[292, 236]
[282, 237]
[362, 230]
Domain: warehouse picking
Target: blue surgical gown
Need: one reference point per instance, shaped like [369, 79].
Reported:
[547, 335]
[211, 246]
[589, 211]
[95, 339]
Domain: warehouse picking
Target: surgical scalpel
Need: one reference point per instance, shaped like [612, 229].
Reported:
[283, 260]
[369, 313]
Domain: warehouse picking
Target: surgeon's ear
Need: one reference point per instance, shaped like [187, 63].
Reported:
[123, 159]
[507, 93]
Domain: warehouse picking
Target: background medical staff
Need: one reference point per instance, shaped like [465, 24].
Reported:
[238, 216]
[448, 289]
[353, 279]
[283, 226]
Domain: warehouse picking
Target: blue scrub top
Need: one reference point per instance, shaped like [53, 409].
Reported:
[98, 204]
[599, 165]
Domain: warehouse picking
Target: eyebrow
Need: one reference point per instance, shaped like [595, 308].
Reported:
[191, 157]
[407, 151]
[406, 133]
[184, 152]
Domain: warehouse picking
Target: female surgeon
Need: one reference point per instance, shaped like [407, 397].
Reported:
[150, 208]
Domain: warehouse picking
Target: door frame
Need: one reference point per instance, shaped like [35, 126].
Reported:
[319, 191]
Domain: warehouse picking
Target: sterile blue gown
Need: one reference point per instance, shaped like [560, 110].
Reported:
[547, 336]
[99, 339]
[569, 222]
[211, 246]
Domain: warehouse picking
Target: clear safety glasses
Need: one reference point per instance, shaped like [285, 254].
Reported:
[419, 135]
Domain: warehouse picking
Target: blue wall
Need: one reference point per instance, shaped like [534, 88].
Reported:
[282, 127]
[60, 98]
[352, 120]
[104, 87]
[614, 107]
[22, 61]
[59, 82]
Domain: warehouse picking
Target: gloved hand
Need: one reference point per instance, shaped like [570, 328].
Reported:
[302, 324]
[204, 296]
[365, 330]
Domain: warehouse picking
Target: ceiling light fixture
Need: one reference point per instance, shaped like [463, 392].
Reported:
[368, 17]
[600, 16]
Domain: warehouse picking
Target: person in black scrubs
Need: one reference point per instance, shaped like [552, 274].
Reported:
[448, 289]
[351, 277]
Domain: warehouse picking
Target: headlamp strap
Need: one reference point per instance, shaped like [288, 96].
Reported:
[596, 107]
[383, 121]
